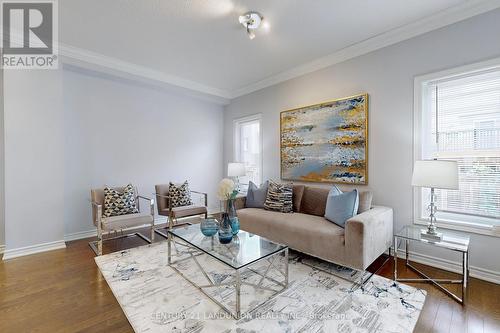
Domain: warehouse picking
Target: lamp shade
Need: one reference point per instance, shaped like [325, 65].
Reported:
[436, 174]
[236, 169]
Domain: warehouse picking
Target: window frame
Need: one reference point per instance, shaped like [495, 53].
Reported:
[420, 83]
[237, 139]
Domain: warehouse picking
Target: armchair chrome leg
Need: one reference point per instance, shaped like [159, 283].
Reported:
[96, 245]
[138, 234]
[164, 235]
[93, 246]
[99, 242]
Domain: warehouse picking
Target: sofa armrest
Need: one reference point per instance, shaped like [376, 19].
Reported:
[368, 235]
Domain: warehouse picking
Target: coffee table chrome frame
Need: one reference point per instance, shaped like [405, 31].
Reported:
[437, 282]
[362, 280]
[237, 282]
[165, 235]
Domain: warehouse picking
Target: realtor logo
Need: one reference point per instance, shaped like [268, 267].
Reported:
[29, 34]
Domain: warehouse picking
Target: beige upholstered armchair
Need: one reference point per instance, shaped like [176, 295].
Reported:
[107, 225]
[165, 208]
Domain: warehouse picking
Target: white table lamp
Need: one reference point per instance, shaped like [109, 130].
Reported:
[236, 170]
[435, 174]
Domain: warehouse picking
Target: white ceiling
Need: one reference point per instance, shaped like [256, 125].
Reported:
[201, 40]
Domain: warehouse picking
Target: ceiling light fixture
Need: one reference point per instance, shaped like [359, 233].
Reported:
[251, 21]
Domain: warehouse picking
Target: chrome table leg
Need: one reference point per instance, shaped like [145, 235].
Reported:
[465, 275]
[286, 267]
[407, 245]
[395, 258]
[238, 296]
[169, 247]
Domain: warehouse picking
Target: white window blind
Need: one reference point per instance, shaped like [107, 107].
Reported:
[464, 125]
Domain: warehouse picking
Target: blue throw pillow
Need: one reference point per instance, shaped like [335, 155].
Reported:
[256, 196]
[341, 207]
[334, 191]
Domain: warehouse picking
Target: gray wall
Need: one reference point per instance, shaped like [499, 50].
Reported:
[34, 163]
[118, 131]
[67, 131]
[2, 167]
[387, 76]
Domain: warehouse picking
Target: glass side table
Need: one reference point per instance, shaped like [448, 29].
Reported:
[450, 242]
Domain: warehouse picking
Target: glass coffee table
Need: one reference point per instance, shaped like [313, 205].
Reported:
[249, 261]
[449, 241]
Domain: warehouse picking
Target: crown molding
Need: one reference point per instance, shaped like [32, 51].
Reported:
[98, 62]
[93, 61]
[81, 57]
[433, 22]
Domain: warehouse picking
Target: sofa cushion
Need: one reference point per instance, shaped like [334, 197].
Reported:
[279, 197]
[297, 194]
[256, 196]
[126, 221]
[365, 201]
[314, 200]
[309, 234]
[341, 207]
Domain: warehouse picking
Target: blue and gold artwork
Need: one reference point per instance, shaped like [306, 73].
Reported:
[326, 142]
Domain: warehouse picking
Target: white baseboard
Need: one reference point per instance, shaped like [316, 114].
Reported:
[2, 248]
[452, 266]
[32, 249]
[24, 251]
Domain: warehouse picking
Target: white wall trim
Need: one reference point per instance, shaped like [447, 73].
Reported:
[452, 266]
[2, 249]
[433, 22]
[72, 55]
[79, 57]
[32, 249]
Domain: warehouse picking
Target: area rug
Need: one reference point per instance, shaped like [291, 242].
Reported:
[155, 298]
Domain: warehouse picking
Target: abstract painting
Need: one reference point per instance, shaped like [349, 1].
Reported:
[326, 142]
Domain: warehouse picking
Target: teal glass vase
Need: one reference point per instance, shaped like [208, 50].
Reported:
[225, 231]
[209, 227]
[233, 218]
[235, 225]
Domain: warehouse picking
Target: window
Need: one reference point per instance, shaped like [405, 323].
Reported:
[458, 118]
[248, 147]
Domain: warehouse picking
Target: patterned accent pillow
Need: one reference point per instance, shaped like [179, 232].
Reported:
[180, 195]
[279, 197]
[119, 203]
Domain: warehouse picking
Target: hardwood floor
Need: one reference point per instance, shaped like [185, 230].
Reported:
[63, 291]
